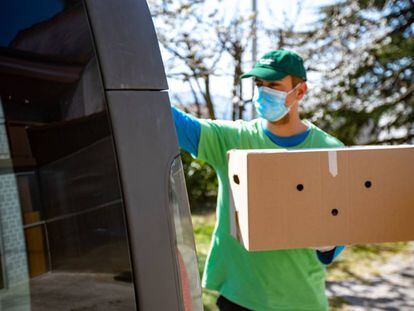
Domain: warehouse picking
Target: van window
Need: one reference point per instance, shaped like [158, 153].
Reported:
[63, 234]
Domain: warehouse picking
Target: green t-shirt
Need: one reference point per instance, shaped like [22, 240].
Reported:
[291, 279]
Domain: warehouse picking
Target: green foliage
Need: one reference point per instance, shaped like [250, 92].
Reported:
[203, 224]
[365, 50]
[201, 182]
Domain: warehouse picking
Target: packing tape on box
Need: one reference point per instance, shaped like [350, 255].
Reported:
[333, 163]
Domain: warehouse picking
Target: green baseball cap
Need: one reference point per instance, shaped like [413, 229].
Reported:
[277, 64]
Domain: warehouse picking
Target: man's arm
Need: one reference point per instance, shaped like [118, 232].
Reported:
[188, 130]
[207, 140]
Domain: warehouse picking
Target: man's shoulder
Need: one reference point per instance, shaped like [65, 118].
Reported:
[325, 139]
[229, 125]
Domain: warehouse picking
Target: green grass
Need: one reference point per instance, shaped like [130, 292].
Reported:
[355, 262]
[203, 225]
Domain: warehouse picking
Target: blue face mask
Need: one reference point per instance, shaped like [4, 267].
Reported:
[270, 103]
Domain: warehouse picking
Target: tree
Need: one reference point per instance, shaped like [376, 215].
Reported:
[364, 53]
[186, 35]
[234, 39]
[197, 37]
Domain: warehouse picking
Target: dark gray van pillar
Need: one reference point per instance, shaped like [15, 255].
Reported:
[127, 45]
[145, 141]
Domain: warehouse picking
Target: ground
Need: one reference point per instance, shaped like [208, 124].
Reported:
[364, 277]
[72, 291]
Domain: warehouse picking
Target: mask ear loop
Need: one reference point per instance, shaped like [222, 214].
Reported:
[291, 91]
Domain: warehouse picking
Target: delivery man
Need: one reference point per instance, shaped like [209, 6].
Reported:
[292, 279]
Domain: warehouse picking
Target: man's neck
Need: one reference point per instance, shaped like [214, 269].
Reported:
[290, 127]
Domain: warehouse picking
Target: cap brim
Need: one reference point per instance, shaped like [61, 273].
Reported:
[265, 74]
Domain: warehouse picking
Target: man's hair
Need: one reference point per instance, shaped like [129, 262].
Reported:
[296, 80]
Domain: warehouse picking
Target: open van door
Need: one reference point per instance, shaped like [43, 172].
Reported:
[94, 213]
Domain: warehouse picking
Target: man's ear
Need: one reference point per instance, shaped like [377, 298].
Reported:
[302, 88]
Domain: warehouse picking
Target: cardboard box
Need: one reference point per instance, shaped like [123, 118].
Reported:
[282, 199]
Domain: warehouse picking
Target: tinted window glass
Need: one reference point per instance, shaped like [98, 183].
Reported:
[62, 223]
[186, 252]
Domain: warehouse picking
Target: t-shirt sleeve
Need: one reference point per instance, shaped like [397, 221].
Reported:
[216, 138]
[188, 130]
[333, 142]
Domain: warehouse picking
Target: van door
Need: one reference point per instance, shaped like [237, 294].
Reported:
[93, 212]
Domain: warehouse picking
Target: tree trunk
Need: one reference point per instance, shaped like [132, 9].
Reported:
[208, 99]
